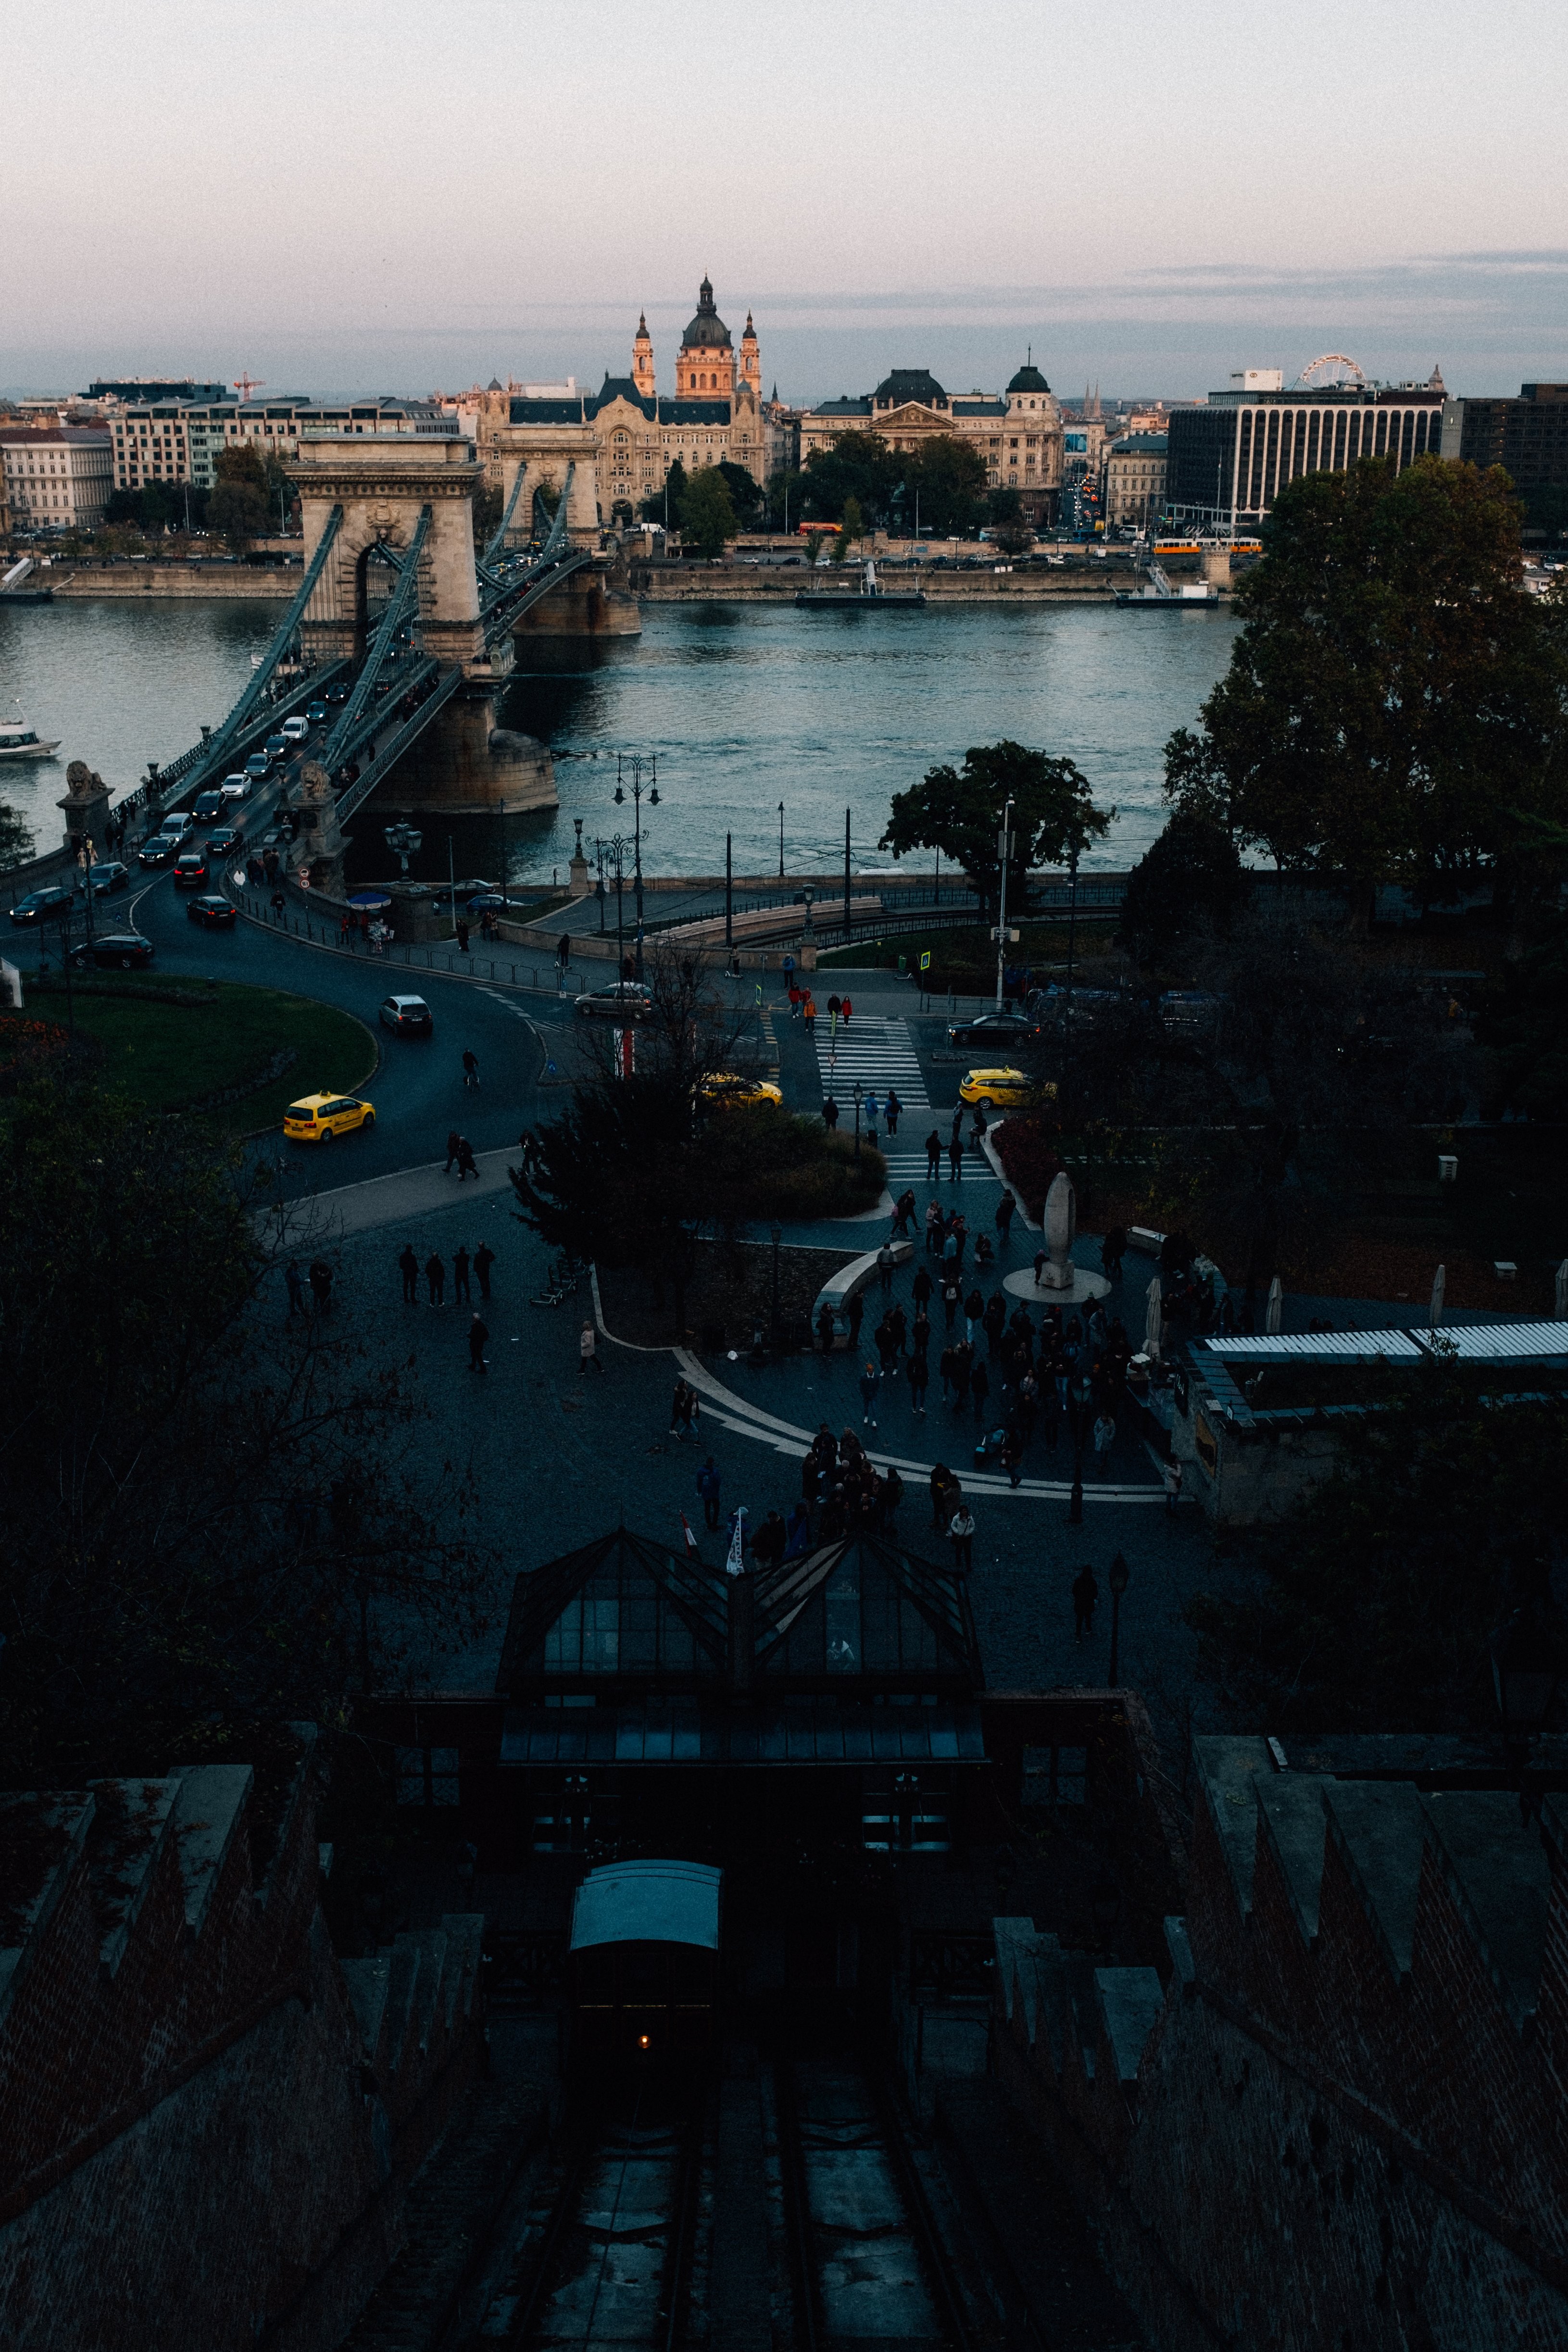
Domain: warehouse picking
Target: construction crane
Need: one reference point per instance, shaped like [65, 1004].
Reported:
[245, 385]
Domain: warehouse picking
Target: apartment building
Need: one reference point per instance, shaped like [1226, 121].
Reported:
[57, 476]
[179, 440]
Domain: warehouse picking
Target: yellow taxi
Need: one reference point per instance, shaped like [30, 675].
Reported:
[725, 1090]
[316, 1119]
[1002, 1089]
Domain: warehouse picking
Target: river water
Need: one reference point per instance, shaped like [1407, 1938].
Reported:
[744, 705]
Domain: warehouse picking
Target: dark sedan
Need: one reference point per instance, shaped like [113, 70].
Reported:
[101, 879]
[190, 870]
[39, 906]
[1006, 1031]
[119, 951]
[214, 914]
[224, 843]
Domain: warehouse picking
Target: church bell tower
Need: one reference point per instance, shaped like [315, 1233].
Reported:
[642, 359]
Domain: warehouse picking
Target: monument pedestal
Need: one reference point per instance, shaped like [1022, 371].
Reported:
[85, 808]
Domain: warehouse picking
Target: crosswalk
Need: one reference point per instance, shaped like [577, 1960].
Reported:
[881, 1054]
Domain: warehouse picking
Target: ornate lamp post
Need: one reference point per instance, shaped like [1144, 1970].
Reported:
[780, 841]
[637, 769]
[404, 842]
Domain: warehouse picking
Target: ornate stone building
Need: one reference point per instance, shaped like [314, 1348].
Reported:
[625, 435]
[1018, 433]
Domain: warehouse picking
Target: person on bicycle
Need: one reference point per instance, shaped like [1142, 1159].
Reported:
[470, 1067]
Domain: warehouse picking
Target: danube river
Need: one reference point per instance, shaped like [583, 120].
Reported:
[745, 706]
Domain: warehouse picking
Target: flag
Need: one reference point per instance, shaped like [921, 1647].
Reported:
[736, 1563]
[686, 1530]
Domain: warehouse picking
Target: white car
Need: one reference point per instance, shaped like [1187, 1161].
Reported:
[178, 822]
[234, 788]
[296, 729]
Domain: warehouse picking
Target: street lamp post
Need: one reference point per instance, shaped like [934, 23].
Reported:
[780, 841]
[1118, 1582]
[1006, 846]
[778, 1237]
[860, 1091]
[404, 843]
[637, 768]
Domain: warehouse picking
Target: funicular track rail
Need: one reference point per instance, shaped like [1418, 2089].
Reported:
[858, 2222]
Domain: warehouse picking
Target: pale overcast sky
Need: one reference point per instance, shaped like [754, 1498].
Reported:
[391, 196]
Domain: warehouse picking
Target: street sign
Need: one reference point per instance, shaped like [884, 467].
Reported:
[998, 935]
[925, 960]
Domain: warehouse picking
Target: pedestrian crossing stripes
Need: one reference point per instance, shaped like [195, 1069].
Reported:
[507, 1003]
[881, 1053]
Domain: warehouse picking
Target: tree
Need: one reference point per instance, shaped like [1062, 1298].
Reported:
[1396, 709]
[1004, 511]
[950, 480]
[1371, 1608]
[858, 466]
[783, 499]
[665, 505]
[851, 529]
[237, 507]
[959, 810]
[16, 841]
[212, 1519]
[707, 515]
[744, 495]
[1188, 882]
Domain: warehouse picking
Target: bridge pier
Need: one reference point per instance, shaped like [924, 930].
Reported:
[591, 604]
[465, 765]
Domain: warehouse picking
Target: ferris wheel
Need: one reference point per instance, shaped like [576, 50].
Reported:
[1334, 367]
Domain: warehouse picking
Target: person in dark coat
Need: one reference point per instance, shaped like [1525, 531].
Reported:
[466, 1163]
[1085, 1594]
[484, 1258]
[479, 1337]
[436, 1279]
[409, 1267]
[461, 1293]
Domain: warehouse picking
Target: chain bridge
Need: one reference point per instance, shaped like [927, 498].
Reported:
[407, 634]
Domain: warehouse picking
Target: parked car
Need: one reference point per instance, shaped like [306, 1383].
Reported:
[190, 870]
[624, 1000]
[316, 712]
[226, 842]
[316, 1119]
[39, 905]
[213, 913]
[408, 1015]
[1006, 1029]
[117, 951]
[295, 730]
[103, 879]
[208, 805]
[258, 767]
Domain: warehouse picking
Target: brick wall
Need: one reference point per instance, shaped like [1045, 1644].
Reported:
[206, 2122]
[1338, 2122]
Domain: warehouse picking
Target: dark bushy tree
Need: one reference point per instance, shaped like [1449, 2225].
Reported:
[237, 506]
[1524, 1026]
[1396, 709]
[858, 466]
[959, 810]
[1188, 882]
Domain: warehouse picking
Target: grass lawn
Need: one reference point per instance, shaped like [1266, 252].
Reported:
[171, 1055]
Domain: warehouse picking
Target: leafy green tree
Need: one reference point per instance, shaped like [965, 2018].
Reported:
[17, 842]
[959, 810]
[707, 516]
[850, 529]
[1373, 1607]
[1396, 709]
[668, 499]
[783, 499]
[950, 480]
[744, 495]
[1188, 882]
[236, 508]
[858, 466]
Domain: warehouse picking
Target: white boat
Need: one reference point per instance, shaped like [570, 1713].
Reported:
[19, 741]
[1161, 595]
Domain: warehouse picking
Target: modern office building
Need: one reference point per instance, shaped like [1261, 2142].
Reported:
[57, 476]
[136, 391]
[1529, 437]
[1228, 459]
[179, 440]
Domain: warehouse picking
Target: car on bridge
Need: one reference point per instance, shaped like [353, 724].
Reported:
[1006, 1029]
[179, 823]
[110, 876]
[116, 952]
[190, 870]
[624, 1000]
[316, 712]
[275, 747]
[295, 730]
[159, 849]
[316, 1119]
[226, 842]
[207, 805]
[259, 767]
[39, 906]
[212, 913]
[234, 788]
[408, 1016]
[999, 1089]
[337, 693]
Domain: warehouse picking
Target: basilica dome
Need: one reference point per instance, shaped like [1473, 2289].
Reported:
[707, 331]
